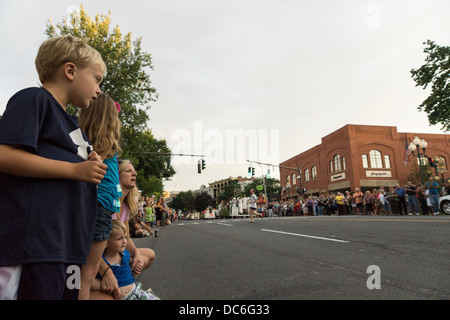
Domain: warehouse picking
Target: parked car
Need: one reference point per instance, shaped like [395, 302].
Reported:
[444, 203]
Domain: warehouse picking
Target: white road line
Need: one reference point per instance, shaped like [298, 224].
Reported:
[305, 235]
[225, 224]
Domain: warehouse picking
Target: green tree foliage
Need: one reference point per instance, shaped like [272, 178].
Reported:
[272, 188]
[414, 173]
[202, 201]
[183, 201]
[128, 82]
[435, 72]
[230, 191]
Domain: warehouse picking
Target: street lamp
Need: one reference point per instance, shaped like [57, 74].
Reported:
[415, 145]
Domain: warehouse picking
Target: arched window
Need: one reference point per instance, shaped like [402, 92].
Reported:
[294, 179]
[314, 172]
[337, 163]
[375, 159]
[306, 174]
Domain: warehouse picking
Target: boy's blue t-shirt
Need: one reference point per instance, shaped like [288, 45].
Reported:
[109, 190]
[44, 220]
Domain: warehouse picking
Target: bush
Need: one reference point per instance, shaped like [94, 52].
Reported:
[224, 213]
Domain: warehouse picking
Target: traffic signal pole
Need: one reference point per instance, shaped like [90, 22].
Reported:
[279, 166]
[201, 163]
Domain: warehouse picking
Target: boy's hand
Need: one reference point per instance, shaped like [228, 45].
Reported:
[91, 171]
[22, 163]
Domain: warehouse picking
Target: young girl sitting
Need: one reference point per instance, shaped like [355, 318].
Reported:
[118, 259]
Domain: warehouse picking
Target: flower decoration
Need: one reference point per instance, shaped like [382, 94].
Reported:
[117, 106]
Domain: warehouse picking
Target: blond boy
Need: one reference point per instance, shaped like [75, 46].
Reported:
[49, 174]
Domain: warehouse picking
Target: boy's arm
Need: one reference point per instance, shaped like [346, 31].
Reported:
[25, 164]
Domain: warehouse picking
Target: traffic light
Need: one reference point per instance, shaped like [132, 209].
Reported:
[268, 173]
[199, 166]
[253, 171]
[203, 164]
[432, 162]
[249, 174]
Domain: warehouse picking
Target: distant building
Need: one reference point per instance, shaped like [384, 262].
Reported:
[217, 186]
[359, 156]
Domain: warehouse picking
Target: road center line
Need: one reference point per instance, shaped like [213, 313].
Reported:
[225, 224]
[305, 235]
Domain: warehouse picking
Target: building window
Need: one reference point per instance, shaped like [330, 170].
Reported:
[331, 167]
[343, 164]
[288, 180]
[375, 159]
[306, 174]
[387, 162]
[314, 172]
[441, 165]
[294, 180]
[364, 161]
[423, 159]
[337, 163]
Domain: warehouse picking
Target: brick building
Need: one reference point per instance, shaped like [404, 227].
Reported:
[359, 156]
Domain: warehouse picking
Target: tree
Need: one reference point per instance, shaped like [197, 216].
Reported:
[128, 82]
[435, 72]
[231, 190]
[128, 78]
[183, 201]
[414, 173]
[203, 201]
[272, 187]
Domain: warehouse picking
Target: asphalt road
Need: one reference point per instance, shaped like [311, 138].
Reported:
[313, 258]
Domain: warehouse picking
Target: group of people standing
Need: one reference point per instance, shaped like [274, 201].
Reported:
[68, 195]
[395, 200]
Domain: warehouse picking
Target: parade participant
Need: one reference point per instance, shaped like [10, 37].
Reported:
[253, 205]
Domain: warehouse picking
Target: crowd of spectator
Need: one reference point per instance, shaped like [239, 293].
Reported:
[396, 200]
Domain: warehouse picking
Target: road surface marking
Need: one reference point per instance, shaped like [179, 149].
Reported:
[305, 235]
[225, 224]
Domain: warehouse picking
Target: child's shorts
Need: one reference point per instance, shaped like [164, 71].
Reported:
[103, 224]
[140, 294]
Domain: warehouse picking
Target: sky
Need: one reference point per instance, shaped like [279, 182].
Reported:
[257, 80]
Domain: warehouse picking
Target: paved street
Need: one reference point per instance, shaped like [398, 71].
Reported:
[301, 258]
